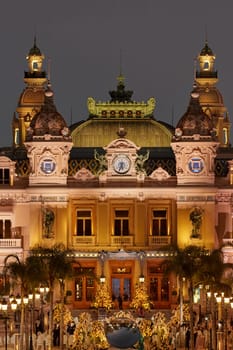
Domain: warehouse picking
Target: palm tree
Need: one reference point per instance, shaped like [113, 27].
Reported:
[56, 263]
[212, 273]
[186, 264]
[22, 274]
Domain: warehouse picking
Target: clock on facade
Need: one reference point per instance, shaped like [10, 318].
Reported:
[121, 164]
[196, 165]
[47, 166]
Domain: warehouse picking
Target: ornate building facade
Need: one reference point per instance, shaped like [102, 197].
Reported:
[119, 188]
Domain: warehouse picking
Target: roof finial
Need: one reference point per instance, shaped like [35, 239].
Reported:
[194, 69]
[49, 91]
[49, 69]
[206, 35]
[120, 78]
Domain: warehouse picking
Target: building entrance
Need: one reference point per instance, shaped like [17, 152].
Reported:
[121, 284]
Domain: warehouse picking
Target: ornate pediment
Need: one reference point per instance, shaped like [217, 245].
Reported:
[159, 174]
[84, 175]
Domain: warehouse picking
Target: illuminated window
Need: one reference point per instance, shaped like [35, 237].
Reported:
[206, 65]
[5, 228]
[84, 285]
[225, 136]
[164, 289]
[153, 289]
[159, 223]
[121, 223]
[84, 223]
[35, 65]
[158, 285]
[4, 176]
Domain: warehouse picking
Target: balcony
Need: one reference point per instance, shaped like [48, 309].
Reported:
[83, 240]
[10, 243]
[159, 241]
[122, 240]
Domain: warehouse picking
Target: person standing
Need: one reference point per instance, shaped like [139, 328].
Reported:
[120, 302]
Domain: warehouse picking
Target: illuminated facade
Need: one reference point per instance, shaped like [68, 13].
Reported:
[120, 187]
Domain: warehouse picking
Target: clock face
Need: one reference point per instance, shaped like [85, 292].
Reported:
[121, 164]
[196, 165]
[47, 166]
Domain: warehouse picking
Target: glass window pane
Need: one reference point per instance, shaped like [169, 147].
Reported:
[80, 230]
[1, 176]
[122, 213]
[155, 228]
[159, 213]
[84, 213]
[125, 227]
[117, 227]
[7, 229]
[163, 227]
[90, 295]
[78, 289]
[127, 288]
[164, 289]
[6, 176]
[153, 289]
[87, 227]
[1, 228]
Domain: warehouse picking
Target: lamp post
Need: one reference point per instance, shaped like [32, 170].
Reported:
[222, 332]
[5, 317]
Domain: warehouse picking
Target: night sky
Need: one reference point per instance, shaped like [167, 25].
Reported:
[157, 41]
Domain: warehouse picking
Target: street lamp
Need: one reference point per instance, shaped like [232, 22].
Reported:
[5, 317]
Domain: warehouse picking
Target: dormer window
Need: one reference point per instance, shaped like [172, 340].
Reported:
[35, 65]
[7, 171]
[4, 176]
[206, 65]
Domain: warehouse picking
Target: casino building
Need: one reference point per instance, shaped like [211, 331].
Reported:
[120, 187]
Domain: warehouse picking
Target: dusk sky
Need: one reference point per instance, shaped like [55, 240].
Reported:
[158, 41]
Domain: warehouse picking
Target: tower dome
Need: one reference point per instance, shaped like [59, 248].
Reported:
[48, 121]
[195, 121]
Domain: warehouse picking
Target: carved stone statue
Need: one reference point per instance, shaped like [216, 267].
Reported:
[140, 161]
[48, 222]
[196, 219]
[103, 164]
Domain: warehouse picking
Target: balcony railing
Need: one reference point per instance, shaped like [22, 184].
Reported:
[159, 240]
[122, 240]
[83, 240]
[10, 243]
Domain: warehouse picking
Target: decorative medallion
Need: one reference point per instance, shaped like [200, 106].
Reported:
[196, 165]
[47, 166]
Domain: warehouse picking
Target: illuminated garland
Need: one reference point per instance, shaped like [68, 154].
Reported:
[102, 297]
[57, 311]
[141, 298]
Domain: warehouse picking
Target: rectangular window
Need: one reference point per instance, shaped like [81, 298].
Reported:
[4, 176]
[85, 285]
[159, 223]
[84, 223]
[153, 292]
[164, 289]
[121, 223]
[5, 228]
